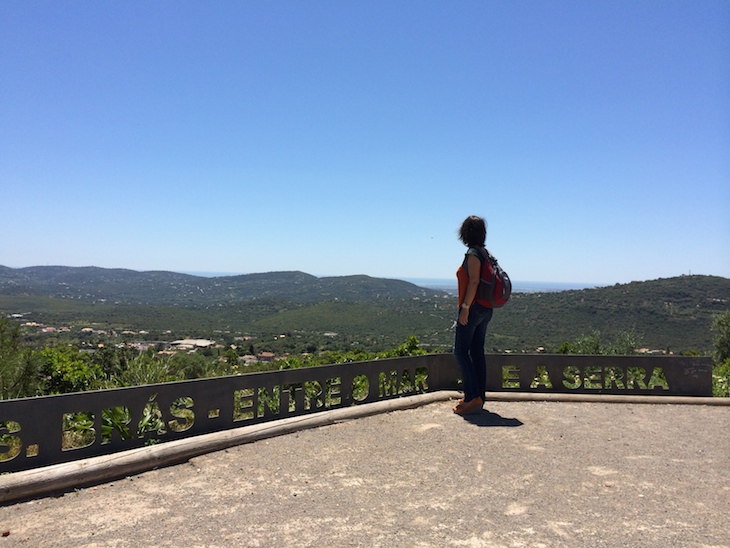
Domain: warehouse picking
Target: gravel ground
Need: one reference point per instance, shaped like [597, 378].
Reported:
[521, 474]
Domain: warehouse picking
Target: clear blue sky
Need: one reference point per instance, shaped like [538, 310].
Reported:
[353, 137]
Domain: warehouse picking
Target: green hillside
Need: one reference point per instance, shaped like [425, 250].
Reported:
[341, 312]
[672, 314]
[119, 286]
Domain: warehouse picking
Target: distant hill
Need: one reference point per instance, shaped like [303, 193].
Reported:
[673, 313]
[159, 288]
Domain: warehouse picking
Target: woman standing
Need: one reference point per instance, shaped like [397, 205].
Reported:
[471, 327]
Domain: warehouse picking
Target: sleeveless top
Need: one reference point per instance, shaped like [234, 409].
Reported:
[462, 274]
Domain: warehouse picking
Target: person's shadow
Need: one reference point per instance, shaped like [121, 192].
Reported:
[487, 418]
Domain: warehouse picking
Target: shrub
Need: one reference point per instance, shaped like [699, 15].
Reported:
[721, 380]
[625, 344]
[64, 369]
[145, 368]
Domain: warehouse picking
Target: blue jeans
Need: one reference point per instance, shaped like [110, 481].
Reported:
[469, 351]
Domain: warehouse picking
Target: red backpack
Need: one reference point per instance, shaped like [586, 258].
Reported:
[495, 286]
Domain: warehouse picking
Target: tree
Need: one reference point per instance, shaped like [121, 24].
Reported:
[18, 366]
[721, 339]
[113, 360]
[408, 348]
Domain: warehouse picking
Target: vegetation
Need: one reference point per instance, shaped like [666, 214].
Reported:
[673, 315]
[19, 371]
[67, 329]
[128, 287]
[721, 370]
[64, 369]
[626, 343]
[340, 314]
[60, 369]
[307, 321]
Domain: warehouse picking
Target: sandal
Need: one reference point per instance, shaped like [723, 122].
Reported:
[467, 408]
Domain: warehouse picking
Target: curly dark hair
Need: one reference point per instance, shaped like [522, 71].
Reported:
[473, 231]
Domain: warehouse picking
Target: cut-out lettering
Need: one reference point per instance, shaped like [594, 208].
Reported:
[541, 378]
[510, 376]
[182, 410]
[10, 444]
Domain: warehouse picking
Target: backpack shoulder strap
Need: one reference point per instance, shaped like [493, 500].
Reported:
[479, 252]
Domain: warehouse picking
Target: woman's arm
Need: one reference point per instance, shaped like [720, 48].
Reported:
[474, 269]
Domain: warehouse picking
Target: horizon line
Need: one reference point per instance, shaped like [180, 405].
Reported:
[431, 281]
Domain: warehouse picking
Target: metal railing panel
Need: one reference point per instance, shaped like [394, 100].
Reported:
[604, 374]
[32, 432]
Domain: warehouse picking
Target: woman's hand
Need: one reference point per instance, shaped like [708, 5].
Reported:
[464, 316]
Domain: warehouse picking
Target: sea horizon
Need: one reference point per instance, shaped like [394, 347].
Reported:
[443, 284]
[449, 285]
